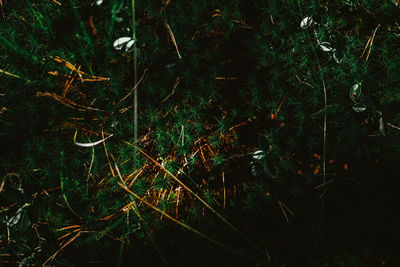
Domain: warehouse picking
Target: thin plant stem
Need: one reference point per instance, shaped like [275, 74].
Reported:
[135, 94]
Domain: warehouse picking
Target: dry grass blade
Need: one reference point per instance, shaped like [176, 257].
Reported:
[72, 67]
[69, 227]
[177, 81]
[9, 73]
[89, 170]
[62, 247]
[70, 233]
[283, 208]
[67, 84]
[56, 2]
[134, 178]
[196, 196]
[108, 217]
[106, 152]
[132, 206]
[212, 240]
[369, 43]
[226, 78]
[173, 38]
[134, 88]
[2, 185]
[323, 184]
[68, 103]
[280, 105]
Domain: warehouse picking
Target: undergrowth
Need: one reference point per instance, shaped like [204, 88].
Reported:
[231, 165]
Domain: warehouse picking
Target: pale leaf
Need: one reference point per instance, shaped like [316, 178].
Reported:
[306, 23]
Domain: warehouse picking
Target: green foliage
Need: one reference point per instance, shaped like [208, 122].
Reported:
[249, 78]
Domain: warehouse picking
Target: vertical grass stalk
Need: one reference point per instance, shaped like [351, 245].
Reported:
[135, 97]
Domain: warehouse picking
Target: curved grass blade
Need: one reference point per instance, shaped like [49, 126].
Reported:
[90, 144]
